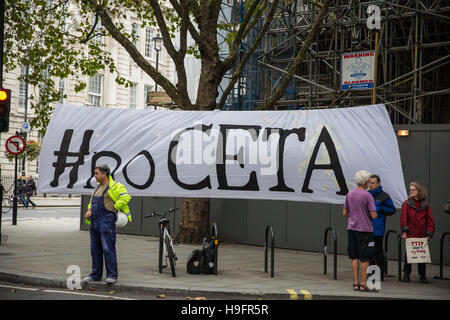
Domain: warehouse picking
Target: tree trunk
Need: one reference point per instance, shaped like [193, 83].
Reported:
[194, 221]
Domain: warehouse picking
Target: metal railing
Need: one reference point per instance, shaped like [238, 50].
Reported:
[216, 246]
[272, 251]
[399, 253]
[441, 258]
[325, 247]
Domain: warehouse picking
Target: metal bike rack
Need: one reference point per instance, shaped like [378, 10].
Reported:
[216, 246]
[441, 257]
[325, 246]
[399, 253]
[266, 248]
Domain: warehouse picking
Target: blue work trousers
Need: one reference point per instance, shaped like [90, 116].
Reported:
[103, 240]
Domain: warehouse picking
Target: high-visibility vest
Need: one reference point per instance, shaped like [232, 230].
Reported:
[118, 194]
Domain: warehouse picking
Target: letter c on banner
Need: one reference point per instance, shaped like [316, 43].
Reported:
[152, 171]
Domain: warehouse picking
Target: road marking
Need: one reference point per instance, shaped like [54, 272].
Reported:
[87, 294]
[306, 295]
[293, 294]
[19, 288]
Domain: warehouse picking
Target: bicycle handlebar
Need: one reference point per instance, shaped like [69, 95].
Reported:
[161, 214]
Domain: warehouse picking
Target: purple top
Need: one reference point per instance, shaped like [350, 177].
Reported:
[359, 204]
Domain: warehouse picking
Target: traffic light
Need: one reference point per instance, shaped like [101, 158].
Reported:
[5, 105]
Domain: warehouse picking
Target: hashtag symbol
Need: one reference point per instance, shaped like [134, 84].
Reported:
[61, 162]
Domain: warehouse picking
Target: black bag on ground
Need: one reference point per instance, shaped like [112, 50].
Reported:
[193, 262]
[208, 256]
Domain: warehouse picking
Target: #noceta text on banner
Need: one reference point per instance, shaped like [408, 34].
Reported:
[309, 155]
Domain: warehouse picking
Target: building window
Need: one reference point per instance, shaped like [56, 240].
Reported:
[23, 86]
[149, 43]
[95, 91]
[98, 39]
[135, 35]
[148, 88]
[62, 90]
[133, 95]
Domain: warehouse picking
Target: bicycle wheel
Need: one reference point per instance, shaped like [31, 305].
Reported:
[6, 205]
[170, 252]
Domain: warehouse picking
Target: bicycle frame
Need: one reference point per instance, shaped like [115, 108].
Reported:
[165, 242]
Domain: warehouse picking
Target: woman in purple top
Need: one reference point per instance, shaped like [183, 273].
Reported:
[360, 209]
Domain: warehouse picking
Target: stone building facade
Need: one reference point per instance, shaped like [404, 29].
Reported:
[101, 90]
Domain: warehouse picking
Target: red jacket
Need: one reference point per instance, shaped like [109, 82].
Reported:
[416, 222]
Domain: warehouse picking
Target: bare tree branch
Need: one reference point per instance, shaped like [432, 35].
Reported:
[247, 56]
[242, 33]
[91, 34]
[192, 6]
[298, 59]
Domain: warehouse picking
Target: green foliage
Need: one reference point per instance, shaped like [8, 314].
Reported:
[60, 39]
[54, 39]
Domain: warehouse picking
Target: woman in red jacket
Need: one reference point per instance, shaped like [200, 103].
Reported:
[416, 221]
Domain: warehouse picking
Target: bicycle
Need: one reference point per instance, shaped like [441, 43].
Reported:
[7, 203]
[7, 200]
[166, 245]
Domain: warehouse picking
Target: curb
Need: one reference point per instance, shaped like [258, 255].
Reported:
[61, 282]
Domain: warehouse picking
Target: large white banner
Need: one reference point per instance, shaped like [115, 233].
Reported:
[309, 155]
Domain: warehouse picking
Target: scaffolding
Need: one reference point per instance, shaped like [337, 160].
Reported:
[413, 58]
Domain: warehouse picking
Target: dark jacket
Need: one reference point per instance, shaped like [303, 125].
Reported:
[417, 222]
[30, 187]
[20, 186]
[383, 208]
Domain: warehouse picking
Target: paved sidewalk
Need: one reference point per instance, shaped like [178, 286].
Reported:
[57, 201]
[40, 251]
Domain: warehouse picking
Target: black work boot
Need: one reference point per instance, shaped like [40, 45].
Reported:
[424, 279]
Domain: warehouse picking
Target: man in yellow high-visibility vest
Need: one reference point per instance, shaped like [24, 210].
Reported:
[107, 199]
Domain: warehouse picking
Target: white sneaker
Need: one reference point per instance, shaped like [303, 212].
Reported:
[111, 280]
[88, 279]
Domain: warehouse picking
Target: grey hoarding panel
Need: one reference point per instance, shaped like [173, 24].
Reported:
[306, 224]
[414, 156]
[230, 216]
[339, 223]
[393, 223]
[261, 213]
[439, 192]
[158, 204]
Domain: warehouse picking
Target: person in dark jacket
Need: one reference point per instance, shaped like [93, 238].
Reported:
[416, 221]
[30, 188]
[21, 189]
[385, 207]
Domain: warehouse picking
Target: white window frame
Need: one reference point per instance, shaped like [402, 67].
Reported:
[23, 86]
[62, 90]
[133, 95]
[135, 35]
[147, 88]
[98, 39]
[95, 90]
[149, 45]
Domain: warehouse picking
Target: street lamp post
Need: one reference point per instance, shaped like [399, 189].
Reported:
[158, 40]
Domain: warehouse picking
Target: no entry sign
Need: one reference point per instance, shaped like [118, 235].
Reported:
[15, 145]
